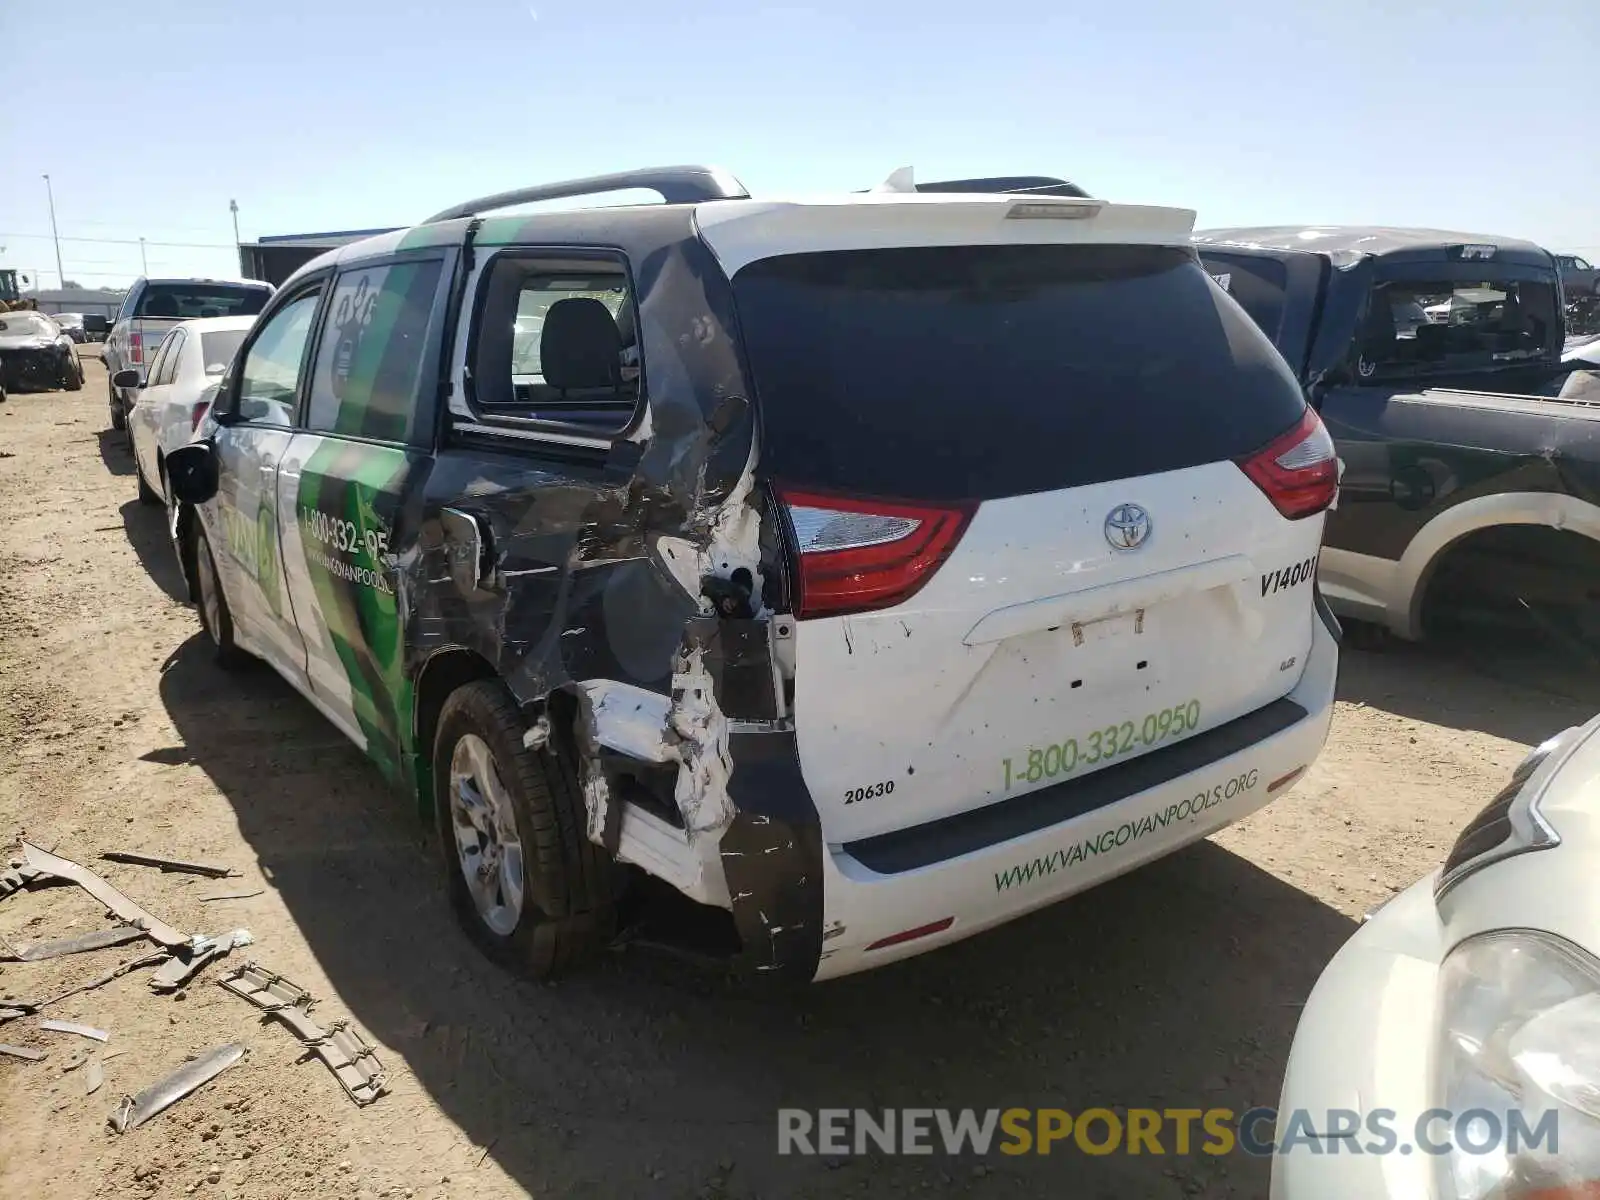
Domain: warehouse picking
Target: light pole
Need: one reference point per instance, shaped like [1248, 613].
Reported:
[142, 261]
[50, 192]
[233, 207]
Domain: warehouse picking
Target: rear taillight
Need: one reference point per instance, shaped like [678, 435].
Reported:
[199, 411]
[1298, 470]
[857, 555]
[136, 347]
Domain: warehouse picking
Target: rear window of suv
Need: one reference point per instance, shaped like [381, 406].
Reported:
[183, 301]
[986, 371]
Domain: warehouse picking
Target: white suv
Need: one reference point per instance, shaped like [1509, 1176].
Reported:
[873, 569]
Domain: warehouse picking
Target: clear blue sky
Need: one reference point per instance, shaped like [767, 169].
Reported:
[150, 116]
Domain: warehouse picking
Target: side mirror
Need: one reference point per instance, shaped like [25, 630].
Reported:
[192, 472]
[127, 378]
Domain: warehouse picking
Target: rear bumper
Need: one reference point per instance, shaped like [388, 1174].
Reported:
[981, 886]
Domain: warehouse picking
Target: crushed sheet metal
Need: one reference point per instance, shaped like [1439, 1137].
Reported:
[704, 762]
[88, 1031]
[10, 1013]
[23, 1052]
[352, 1060]
[134, 1111]
[169, 864]
[178, 970]
[63, 868]
[97, 940]
[94, 1077]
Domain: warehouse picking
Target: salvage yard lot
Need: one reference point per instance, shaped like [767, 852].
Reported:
[1178, 986]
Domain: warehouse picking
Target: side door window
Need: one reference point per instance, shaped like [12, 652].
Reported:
[157, 362]
[369, 377]
[269, 374]
[166, 369]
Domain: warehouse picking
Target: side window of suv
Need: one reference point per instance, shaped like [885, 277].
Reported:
[369, 368]
[269, 373]
[555, 344]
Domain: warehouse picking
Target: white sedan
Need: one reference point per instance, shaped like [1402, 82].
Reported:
[1451, 1049]
[181, 379]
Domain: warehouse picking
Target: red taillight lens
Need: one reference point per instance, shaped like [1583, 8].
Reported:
[136, 347]
[1298, 470]
[857, 555]
[199, 411]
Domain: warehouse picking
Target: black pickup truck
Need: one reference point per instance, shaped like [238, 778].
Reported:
[1470, 449]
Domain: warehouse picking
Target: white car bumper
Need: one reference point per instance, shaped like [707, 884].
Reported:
[1364, 1043]
[999, 882]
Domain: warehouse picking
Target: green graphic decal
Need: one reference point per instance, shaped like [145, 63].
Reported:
[348, 492]
[253, 545]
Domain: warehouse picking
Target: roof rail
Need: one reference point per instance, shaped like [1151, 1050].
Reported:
[675, 185]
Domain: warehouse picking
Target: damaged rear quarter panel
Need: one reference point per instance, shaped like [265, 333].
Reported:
[584, 586]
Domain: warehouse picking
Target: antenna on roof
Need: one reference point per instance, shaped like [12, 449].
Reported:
[900, 180]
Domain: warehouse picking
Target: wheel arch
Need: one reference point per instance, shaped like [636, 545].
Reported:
[1435, 540]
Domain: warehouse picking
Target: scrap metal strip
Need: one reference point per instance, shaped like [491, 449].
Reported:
[134, 1111]
[99, 939]
[63, 868]
[169, 864]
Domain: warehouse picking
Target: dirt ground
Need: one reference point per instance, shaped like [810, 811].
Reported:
[1177, 986]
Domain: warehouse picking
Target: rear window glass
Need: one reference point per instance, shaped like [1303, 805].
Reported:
[1421, 327]
[186, 300]
[979, 372]
[219, 347]
[1256, 282]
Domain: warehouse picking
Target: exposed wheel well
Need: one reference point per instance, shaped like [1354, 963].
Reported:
[1507, 569]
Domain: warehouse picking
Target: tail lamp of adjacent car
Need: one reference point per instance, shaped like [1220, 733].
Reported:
[135, 347]
[858, 554]
[1298, 470]
[196, 413]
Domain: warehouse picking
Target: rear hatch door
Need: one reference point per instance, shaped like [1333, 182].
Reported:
[1027, 547]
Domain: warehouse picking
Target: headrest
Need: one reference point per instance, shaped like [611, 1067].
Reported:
[579, 346]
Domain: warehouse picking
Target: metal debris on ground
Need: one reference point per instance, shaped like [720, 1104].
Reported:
[11, 1009]
[134, 1111]
[88, 1031]
[178, 969]
[169, 864]
[63, 868]
[353, 1061]
[95, 1077]
[22, 1052]
[97, 940]
[233, 896]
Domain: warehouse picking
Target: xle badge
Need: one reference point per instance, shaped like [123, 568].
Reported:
[1127, 527]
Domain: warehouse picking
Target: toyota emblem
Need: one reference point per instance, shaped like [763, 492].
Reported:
[1127, 527]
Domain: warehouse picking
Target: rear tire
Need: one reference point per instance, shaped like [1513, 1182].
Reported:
[119, 419]
[526, 884]
[216, 620]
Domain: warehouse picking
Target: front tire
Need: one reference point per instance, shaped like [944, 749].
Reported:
[524, 881]
[73, 379]
[147, 494]
[216, 620]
